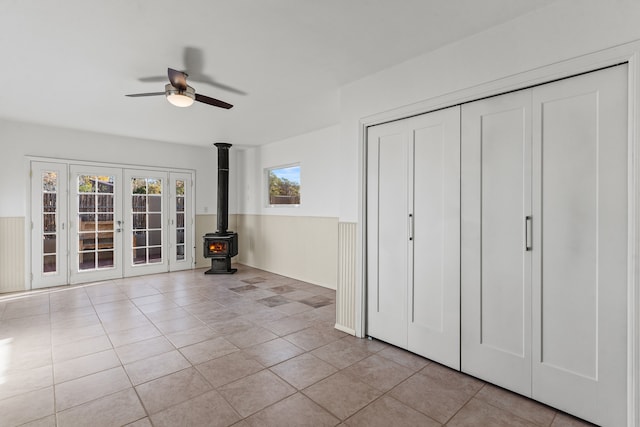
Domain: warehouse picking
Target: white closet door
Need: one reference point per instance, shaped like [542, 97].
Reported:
[580, 279]
[413, 234]
[434, 282]
[387, 232]
[496, 268]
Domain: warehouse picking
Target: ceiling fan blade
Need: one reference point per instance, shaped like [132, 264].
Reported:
[193, 59]
[146, 94]
[201, 78]
[212, 101]
[178, 79]
[153, 79]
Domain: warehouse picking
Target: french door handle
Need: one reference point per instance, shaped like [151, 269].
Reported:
[528, 230]
[410, 226]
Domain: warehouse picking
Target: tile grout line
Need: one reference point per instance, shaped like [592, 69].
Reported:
[53, 374]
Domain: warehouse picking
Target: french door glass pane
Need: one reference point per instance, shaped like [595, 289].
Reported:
[180, 196]
[49, 225]
[49, 264]
[139, 221]
[49, 221]
[146, 220]
[95, 218]
[140, 256]
[105, 240]
[155, 254]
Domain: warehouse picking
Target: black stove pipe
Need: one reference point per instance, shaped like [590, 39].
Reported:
[223, 187]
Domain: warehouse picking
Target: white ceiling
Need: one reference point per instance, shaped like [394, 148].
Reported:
[69, 63]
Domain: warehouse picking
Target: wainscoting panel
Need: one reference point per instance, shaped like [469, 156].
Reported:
[304, 248]
[346, 291]
[12, 254]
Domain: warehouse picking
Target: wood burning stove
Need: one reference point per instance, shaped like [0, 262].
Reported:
[220, 249]
[222, 245]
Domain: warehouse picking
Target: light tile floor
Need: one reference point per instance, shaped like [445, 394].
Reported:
[249, 349]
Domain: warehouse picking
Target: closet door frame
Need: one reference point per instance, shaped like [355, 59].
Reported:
[625, 53]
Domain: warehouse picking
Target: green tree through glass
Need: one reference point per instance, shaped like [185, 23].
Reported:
[283, 191]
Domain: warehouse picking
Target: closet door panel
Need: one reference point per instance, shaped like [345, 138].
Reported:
[580, 194]
[434, 295]
[496, 268]
[502, 218]
[387, 233]
[569, 245]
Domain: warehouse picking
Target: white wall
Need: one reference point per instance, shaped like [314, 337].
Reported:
[295, 241]
[562, 30]
[22, 139]
[317, 153]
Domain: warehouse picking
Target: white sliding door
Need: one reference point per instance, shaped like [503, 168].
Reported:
[413, 214]
[388, 233]
[580, 245]
[496, 274]
[434, 281]
[545, 243]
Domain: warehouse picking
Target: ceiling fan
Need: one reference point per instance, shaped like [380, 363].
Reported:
[180, 94]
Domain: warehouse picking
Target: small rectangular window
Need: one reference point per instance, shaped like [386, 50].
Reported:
[283, 185]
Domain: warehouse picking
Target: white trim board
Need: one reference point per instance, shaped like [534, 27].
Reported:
[625, 53]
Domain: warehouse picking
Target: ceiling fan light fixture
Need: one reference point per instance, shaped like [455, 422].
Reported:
[180, 98]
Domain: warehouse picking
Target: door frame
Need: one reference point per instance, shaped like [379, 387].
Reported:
[625, 53]
[67, 163]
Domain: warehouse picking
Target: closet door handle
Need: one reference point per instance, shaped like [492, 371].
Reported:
[528, 229]
[410, 226]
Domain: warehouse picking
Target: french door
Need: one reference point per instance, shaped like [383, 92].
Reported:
[180, 221]
[95, 223]
[49, 224]
[145, 225]
[92, 223]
